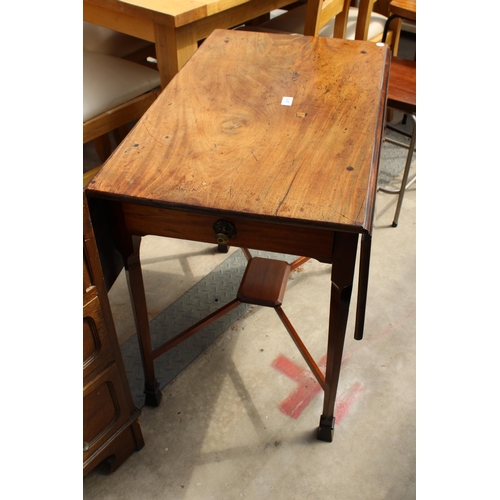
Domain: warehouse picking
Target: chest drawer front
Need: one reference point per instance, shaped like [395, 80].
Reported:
[97, 352]
[104, 409]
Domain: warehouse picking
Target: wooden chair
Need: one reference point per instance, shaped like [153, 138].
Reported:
[402, 96]
[113, 43]
[115, 92]
[326, 18]
[373, 26]
[313, 18]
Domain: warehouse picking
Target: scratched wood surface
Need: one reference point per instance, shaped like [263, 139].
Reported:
[219, 139]
[405, 8]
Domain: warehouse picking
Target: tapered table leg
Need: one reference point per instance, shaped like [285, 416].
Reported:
[344, 259]
[364, 271]
[129, 247]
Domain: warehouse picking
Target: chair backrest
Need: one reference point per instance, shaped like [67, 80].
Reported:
[320, 12]
[370, 25]
[348, 19]
[364, 16]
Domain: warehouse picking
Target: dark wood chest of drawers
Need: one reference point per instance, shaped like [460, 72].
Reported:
[111, 430]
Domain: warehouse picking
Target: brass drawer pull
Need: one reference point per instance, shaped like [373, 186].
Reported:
[224, 230]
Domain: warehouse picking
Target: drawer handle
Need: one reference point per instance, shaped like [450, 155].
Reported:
[86, 447]
[223, 231]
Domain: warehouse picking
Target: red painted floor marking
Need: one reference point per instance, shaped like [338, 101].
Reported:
[299, 399]
[345, 402]
[308, 387]
[378, 337]
[290, 369]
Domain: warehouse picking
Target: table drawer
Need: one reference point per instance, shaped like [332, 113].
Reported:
[273, 237]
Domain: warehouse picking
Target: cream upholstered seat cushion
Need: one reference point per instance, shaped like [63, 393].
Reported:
[110, 81]
[293, 22]
[106, 41]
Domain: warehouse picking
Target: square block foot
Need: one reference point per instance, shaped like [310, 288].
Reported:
[325, 429]
[153, 395]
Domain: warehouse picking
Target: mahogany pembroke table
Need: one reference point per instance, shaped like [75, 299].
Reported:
[264, 141]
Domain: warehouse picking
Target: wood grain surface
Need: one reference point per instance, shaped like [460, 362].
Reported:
[219, 139]
[402, 91]
[405, 8]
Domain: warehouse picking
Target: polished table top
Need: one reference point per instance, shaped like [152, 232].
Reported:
[221, 139]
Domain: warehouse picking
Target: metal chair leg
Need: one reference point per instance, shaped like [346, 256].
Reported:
[405, 183]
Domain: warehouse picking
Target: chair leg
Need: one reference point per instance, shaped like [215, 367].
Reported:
[120, 133]
[404, 182]
[102, 145]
